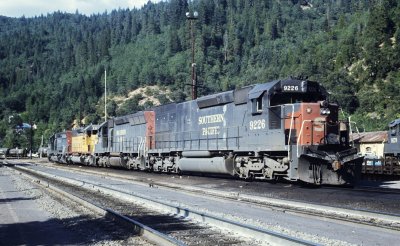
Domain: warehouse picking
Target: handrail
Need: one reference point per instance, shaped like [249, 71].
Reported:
[300, 133]
[142, 146]
[122, 144]
[312, 133]
[290, 130]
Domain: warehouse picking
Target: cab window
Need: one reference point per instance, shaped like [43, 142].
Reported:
[257, 105]
[393, 130]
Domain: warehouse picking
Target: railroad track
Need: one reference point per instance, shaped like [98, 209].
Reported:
[181, 224]
[371, 189]
[371, 218]
[135, 227]
[376, 219]
[361, 188]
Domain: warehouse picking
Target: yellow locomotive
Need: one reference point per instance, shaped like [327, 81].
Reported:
[83, 141]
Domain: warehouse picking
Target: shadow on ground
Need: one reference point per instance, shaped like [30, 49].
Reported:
[80, 230]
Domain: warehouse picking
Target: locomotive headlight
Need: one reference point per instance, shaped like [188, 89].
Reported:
[308, 110]
[325, 111]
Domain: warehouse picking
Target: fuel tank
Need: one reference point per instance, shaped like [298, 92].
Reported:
[219, 165]
[77, 159]
[116, 162]
[54, 158]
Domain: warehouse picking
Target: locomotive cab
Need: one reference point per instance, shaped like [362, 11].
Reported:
[314, 143]
[391, 148]
[82, 147]
[59, 147]
[316, 136]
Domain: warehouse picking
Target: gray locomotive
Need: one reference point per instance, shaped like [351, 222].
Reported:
[59, 147]
[391, 151]
[281, 129]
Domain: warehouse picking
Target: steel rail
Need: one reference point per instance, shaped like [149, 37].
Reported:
[138, 228]
[371, 218]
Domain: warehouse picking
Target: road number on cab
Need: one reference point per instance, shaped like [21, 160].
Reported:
[290, 88]
[257, 124]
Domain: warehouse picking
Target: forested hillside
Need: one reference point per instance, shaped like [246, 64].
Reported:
[52, 67]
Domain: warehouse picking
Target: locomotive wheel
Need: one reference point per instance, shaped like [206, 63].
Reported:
[250, 177]
[275, 179]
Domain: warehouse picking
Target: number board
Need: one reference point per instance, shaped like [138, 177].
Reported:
[294, 88]
[299, 86]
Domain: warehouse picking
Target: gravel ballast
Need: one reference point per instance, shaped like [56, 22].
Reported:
[77, 224]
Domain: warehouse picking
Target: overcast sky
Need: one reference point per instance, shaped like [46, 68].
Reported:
[31, 8]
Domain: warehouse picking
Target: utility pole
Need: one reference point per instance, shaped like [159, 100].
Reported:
[33, 127]
[41, 148]
[31, 140]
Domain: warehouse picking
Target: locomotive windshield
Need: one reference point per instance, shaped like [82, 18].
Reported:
[295, 91]
[290, 97]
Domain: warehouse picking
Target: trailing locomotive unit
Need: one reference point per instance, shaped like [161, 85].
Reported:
[82, 145]
[75, 146]
[122, 141]
[391, 151]
[59, 147]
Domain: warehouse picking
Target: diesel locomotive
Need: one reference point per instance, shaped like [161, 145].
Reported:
[284, 129]
[389, 165]
[392, 150]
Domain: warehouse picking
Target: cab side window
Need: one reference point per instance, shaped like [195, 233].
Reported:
[393, 130]
[257, 105]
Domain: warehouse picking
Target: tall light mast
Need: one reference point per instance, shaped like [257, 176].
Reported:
[192, 16]
[105, 95]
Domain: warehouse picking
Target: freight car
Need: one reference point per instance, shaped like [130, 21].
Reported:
[3, 152]
[17, 152]
[13, 153]
[281, 129]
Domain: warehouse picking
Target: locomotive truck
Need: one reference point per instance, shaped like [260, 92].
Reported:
[284, 129]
